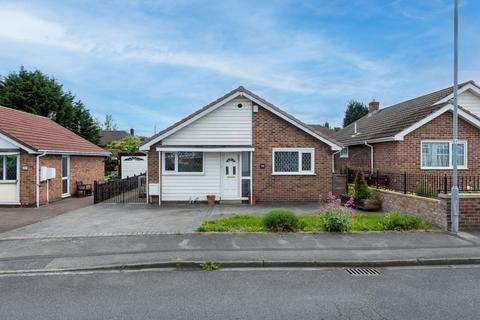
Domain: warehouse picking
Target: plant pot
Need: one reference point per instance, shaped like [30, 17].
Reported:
[252, 199]
[211, 199]
[368, 204]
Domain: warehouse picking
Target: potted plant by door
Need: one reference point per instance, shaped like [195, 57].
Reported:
[211, 199]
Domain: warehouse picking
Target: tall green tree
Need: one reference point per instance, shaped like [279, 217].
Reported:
[109, 124]
[355, 110]
[37, 93]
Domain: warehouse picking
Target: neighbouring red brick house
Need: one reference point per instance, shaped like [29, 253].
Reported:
[415, 136]
[37, 154]
[237, 146]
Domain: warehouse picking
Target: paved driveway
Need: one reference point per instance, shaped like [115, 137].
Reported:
[15, 217]
[135, 219]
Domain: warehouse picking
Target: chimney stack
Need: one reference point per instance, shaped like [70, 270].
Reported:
[373, 106]
[132, 132]
[327, 125]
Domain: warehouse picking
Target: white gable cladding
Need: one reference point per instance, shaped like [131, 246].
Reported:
[5, 144]
[227, 125]
[470, 101]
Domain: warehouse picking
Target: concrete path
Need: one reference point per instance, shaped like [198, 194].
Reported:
[15, 217]
[140, 219]
[245, 249]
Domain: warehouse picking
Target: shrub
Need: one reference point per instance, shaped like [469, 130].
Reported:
[335, 222]
[279, 220]
[399, 221]
[361, 190]
[335, 217]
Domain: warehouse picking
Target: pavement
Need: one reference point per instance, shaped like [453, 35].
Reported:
[16, 217]
[140, 219]
[238, 250]
[425, 293]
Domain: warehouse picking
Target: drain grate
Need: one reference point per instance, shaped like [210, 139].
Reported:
[362, 272]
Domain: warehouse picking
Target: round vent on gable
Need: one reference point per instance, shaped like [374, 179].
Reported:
[239, 105]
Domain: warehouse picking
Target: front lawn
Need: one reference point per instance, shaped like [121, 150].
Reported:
[358, 222]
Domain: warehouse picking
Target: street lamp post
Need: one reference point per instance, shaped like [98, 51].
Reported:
[455, 197]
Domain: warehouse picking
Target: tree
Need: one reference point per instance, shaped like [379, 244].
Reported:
[109, 124]
[37, 93]
[128, 144]
[355, 110]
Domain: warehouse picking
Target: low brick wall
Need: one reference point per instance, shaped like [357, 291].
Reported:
[434, 211]
[469, 210]
[431, 210]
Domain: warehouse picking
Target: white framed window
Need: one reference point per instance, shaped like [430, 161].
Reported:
[293, 161]
[437, 154]
[8, 168]
[183, 162]
[344, 153]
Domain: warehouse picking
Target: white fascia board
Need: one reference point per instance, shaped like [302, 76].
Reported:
[76, 153]
[203, 149]
[18, 145]
[146, 146]
[334, 146]
[469, 86]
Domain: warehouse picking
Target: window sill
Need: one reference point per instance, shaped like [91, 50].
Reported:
[183, 173]
[293, 174]
[8, 181]
[443, 168]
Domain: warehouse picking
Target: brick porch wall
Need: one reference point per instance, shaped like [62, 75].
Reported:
[270, 131]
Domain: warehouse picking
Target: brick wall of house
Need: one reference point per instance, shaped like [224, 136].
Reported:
[358, 158]
[54, 185]
[408, 152]
[83, 168]
[86, 169]
[270, 131]
[153, 168]
[400, 156]
[153, 164]
[27, 178]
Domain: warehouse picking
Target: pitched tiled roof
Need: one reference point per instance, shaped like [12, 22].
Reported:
[40, 133]
[322, 129]
[241, 89]
[389, 121]
[107, 136]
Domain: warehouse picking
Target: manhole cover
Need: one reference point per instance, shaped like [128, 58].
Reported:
[362, 272]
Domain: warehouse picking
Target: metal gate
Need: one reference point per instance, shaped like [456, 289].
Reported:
[128, 190]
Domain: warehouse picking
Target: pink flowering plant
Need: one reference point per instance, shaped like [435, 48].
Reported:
[335, 217]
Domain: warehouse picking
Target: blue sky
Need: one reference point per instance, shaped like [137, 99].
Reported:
[148, 63]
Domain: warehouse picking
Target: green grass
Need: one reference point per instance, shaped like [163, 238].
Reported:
[237, 223]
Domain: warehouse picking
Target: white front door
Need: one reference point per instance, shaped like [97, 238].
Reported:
[230, 176]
